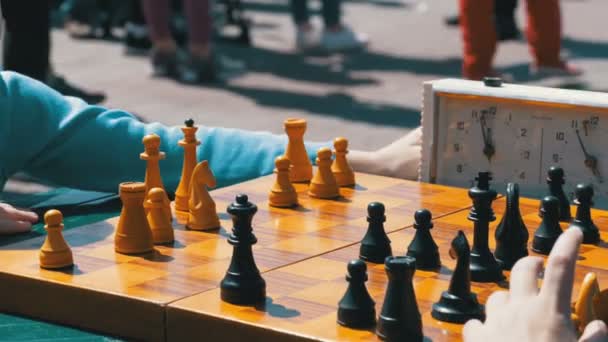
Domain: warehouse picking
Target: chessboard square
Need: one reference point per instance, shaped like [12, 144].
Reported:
[171, 287]
[172, 260]
[456, 219]
[212, 248]
[119, 277]
[342, 232]
[430, 289]
[16, 258]
[326, 292]
[595, 258]
[310, 245]
[339, 211]
[268, 258]
[302, 310]
[363, 199]
[327, 328]
[280, 283]
[531, 219]
[318, 268]
[213, 271]
[367, 182]
[435, 329]
[107, 252]
[298, 223]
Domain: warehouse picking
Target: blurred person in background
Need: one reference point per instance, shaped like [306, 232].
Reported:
[335, 37]
[543, 33]
[27, 44]
[197, 65]
[504, 19]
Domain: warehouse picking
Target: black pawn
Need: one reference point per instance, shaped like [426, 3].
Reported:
[584, 202]
[484, 267]
[243, 284]
[357, 309]
[555, 179]
[511, 233]
[400, 318]
[376, 245]
[423, 247]
[458, 304]
[549, 229]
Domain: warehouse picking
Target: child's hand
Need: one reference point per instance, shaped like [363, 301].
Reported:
[399, 159]
[526, 313]
[13, 220]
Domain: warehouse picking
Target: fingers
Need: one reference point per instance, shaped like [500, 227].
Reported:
[23, 215]
[9, 226]
[496, 302]
[9, 211]
[472, 330]
[559, 274]
[524, 276]
[594, 332]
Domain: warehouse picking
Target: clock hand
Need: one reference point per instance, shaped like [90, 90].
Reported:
[590, 161]
[488, 148]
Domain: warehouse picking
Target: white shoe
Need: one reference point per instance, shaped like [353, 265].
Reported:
[307, 40]
[343, 40]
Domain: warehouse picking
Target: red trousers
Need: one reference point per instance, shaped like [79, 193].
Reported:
[479, 34]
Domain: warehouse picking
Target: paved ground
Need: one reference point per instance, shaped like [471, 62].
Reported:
[372, 97]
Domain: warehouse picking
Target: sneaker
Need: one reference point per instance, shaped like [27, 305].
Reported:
[343, 40]
[165, 63]
[136, 39]
[62, 86]
[195, 70]
[563, 69]
[307, 40]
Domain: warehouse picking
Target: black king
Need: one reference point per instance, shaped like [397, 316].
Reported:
[484, 267]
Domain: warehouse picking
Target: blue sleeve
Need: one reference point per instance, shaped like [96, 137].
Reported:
[67, 142]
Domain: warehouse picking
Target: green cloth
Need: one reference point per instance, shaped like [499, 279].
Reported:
[15, 328]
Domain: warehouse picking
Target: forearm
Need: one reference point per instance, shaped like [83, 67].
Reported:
[400, 159]
[70, 143]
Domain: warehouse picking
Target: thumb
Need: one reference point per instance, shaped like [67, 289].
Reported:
[595, 332]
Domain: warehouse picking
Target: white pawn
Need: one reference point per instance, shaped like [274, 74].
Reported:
[55, 252]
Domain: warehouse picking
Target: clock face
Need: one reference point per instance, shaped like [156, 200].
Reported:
[518, 142]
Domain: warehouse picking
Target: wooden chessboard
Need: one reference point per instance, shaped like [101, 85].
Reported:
[303, 297]
[128, 296]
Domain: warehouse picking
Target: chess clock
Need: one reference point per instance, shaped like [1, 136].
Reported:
[516, 132]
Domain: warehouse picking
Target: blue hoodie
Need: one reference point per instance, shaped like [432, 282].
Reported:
[65, 141]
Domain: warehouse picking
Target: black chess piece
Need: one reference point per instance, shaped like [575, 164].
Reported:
[243, 284]
[484, 267]
[555, 179]
[458, 304]
[423, 247]
[357, 309]
[549, 229]
[511, 233]
[376, 245]
[400, 318]
[583, 221]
